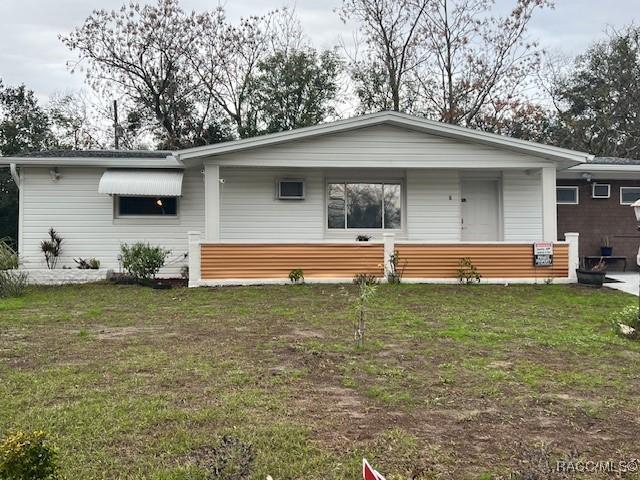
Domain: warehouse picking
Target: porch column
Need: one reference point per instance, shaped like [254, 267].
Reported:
[549, 213]
[574, 257]
[211, 202]
[194, 258]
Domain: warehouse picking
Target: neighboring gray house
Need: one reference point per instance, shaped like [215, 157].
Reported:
[298, 199]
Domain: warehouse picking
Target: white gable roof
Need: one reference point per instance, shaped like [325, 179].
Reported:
[560, 155]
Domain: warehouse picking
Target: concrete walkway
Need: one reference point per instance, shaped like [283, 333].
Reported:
[629, 282]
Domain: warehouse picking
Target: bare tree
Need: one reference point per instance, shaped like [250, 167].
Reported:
[394, 38]
[477, 60]
[76, 121]
[226, 57]
[141, 50]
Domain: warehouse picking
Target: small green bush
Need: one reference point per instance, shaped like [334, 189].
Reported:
[363, 278]
[51, 248]
[467, 272]
[141, 260]
[27, 456]
[91, 264]
[627, 317]
[8, 256]
[296, 276]
[12, 284]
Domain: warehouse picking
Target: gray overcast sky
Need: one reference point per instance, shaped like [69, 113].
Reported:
[31, 53]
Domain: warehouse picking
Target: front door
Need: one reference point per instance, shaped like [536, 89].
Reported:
[480, 210]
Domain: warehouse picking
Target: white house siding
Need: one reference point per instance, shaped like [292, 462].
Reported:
[381, 146]
[249, 209]
[84, 218]
[433, 205]
[522, 205]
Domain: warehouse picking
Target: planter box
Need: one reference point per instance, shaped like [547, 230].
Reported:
[593, 279]
[63, 276]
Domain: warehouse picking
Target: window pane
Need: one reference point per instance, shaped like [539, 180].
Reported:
[629, 195]
[364, 205]
[148, 205]
[335, 210]
[600, 190]
[392, 208]
[566, 195]
[291, 189]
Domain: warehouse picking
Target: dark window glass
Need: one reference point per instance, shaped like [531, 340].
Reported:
[600, 190]
[291, 189]
[335, 209]
[566, 195]
[629, 195]
[364, 205]
[392, 209]
[147, 206]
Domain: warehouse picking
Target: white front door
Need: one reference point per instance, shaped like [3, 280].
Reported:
[480, 210]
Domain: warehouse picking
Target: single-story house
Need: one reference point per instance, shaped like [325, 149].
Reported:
[594, 199]
[252, 210]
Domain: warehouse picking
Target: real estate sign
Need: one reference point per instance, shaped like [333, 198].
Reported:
[543, 254]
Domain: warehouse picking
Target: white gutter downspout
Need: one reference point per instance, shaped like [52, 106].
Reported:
[14, 174]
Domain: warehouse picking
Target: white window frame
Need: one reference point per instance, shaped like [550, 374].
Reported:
[118, 215]
[628, 187]
[572, 187]
[286, 179]
[593, 190]
[383, 181]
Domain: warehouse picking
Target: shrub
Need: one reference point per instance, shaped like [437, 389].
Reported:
[8, 256]
[363, 238]
[12, 283]
[51, 248]
[184, 272]
[141, 260]
[467, 272]
[365, 294]
[296, 276]
[91, 264]
[394, 276]
[364, 279]
[625, 322]
[230, 459]
[27, 456]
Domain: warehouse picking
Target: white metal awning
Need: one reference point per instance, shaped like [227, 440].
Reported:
[161, 183]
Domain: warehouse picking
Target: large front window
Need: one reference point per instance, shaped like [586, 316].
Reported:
[364, 205]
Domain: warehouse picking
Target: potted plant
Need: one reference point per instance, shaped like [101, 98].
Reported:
[594, 276]
[606, 250]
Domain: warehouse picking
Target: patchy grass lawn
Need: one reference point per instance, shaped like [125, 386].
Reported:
[454, 382]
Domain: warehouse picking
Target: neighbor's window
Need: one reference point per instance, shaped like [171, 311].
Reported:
[364, 205]
[629, 195]
[147, 206]
[601, 190]
[567, 195]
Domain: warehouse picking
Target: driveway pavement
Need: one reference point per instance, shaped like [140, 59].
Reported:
[629, 282]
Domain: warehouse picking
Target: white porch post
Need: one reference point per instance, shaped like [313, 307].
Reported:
[212, 202]
[194, 258]
[549, 213]
[574, 256]
[389, 249]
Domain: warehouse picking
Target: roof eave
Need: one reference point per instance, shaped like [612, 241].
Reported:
[566, 157]
[119, 162]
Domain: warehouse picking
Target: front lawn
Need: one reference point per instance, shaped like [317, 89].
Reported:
[453, 382]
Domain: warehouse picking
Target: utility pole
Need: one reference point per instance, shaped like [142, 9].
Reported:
[115, 124]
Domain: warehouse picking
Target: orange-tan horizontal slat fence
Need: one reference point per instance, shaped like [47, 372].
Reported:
[275, 261]
[492, 261]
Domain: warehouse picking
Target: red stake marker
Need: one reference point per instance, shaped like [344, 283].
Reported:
[369, 473]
